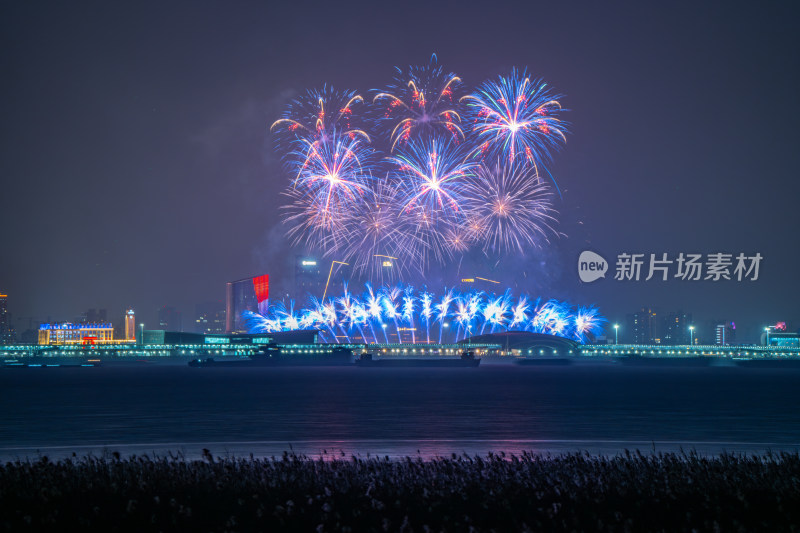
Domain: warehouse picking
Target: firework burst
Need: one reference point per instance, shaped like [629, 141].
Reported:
[331, 178]
[430, 174]
[421, 101]
[317, 114]
[516, 117]
[440, 189]
[510, 208]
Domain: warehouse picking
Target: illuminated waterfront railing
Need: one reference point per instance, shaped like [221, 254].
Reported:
[244, 350]
[708, 350]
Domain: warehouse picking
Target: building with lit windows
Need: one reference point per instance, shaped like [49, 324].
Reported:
[209, 318]
[674, 328]
[68, 333]
[725, 334]
[249, 294]
[130, 325]
[778, 336]
[311, 276]
[6, 330]
[308, 278]
[642, 327]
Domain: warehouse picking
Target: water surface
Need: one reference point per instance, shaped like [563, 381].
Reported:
[324, 411]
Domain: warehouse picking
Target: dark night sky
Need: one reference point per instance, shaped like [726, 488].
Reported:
[137, 168]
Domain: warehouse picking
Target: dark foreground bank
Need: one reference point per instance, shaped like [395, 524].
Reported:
[630, 492]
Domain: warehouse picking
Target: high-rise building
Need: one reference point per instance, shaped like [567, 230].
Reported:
[642, 327]
[169, 319]
[130, 325]
[312, 277]
[6, 329]
[249, 294]
[725, 334]
[674, 328]
[209, 318]
[308, 278]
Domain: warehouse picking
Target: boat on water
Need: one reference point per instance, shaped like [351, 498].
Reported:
[467, 360]
[272, 355]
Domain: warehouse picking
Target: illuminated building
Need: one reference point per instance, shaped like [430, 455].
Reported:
[169, 319]
[468, 282]
[311, 277]
[642, 326]
[249, 294]
[130, 325]
[781, 339]
[387, 265]
[674, 328]
[209, 318]
[68, 333]
[308, 278]
[6, 330]
[778, 336]
[725, 334]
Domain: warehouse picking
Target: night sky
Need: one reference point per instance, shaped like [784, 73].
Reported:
[138, 170]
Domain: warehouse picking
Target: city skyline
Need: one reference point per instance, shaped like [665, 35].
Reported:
[189, 162]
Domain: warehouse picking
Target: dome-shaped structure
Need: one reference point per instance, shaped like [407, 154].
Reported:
[525, 341]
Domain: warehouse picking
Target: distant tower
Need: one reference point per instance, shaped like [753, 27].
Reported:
[725, 334]
[130, 325]
[6, 331]
[642, 326]
[309, 279]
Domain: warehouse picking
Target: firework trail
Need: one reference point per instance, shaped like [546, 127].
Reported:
[516, 117]
[519, 313]
[351, 311]
[372, 304]
[509, 207]
[422, 101]
[588, 322]
[470, 311]
[462, 315]
[426, 300]
[389, 296]
[443, 309]
[408, 310]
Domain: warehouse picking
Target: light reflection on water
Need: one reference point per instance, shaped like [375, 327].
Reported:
[423, 449]
[325, 413]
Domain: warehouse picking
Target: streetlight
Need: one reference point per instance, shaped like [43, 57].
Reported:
[767, 330]
[691, 335]
[141, 335]
[616, 333]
